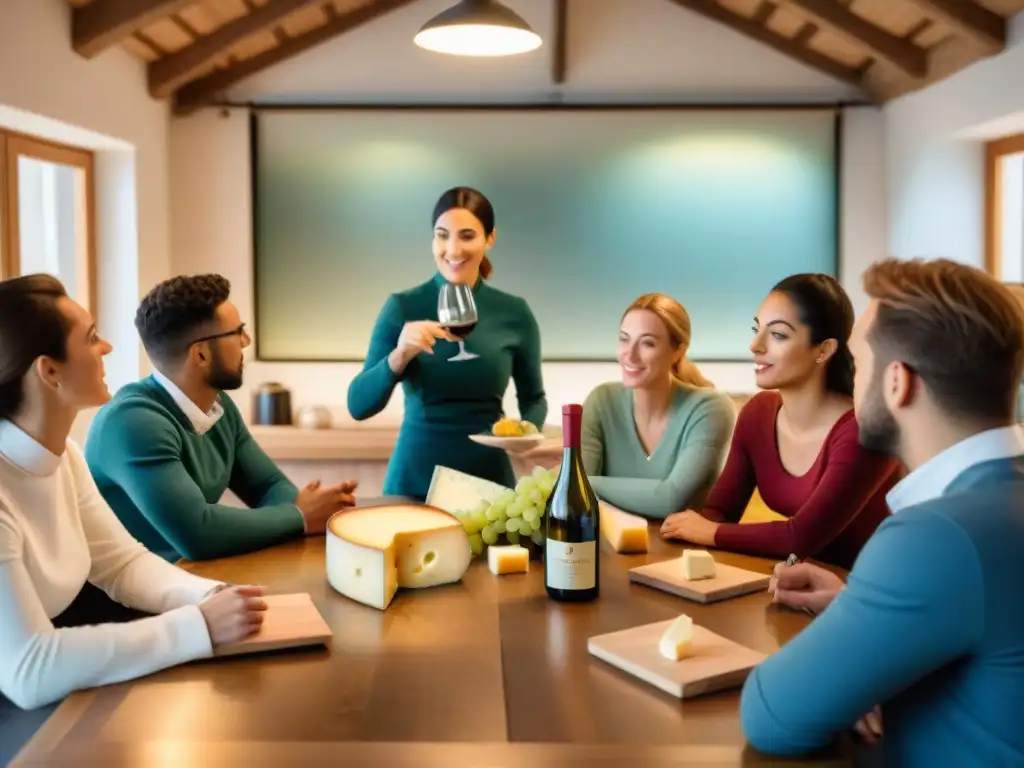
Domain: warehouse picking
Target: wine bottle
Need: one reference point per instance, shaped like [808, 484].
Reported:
[572, 522]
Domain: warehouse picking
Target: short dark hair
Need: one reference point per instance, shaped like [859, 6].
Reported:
[473, 201]
[31, 326]
[176, 310]
[828, 313]
[957, 327]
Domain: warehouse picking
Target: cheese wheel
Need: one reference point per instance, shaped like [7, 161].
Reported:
[372, 551]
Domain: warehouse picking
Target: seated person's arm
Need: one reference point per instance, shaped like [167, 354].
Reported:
[913, 603]
[40, 664]
[851, 479]
[255, 478]
[143, 456]
[735, 486]
[696, 467]
[371, 389]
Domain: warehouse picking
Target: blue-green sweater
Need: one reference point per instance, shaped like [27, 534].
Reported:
[930, 626]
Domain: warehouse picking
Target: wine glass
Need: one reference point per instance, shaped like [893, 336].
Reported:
[456, 311]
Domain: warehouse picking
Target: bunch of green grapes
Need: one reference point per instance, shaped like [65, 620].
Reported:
[514, 514]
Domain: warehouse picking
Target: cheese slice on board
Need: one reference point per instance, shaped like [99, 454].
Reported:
[455, 491]
[698, 564]
[372, 551]
[625, 532]
[675, 642]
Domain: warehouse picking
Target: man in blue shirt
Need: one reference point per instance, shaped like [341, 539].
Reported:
[930, 623]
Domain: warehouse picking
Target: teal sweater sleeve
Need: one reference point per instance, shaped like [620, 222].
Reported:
[695, 468]
[914, 603]
[371, 389]
[143, 458]
[255, 479]
[526, 372]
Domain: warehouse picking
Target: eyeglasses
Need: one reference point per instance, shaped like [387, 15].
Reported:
[239, 331]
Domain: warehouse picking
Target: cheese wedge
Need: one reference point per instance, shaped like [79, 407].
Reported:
[372, 551]
[676, 640]
[698, 564]
[454, 491]
[625, 532]
[508, 559]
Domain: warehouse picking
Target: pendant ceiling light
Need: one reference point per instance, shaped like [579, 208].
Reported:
[477, 28]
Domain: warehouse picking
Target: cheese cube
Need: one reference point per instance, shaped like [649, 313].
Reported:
[698, 564]
[508, 559]
[676, 641]
[625, 532]
[372, 551]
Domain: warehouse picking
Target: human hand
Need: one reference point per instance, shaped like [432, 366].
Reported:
[869, 727]
[233, 613]
[690, 526]
[804, 586]
[317, 504]
[417, 336]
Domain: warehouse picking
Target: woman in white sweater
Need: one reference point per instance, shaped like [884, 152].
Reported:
[64, 557]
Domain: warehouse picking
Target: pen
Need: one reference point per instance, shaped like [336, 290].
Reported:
[793, 560]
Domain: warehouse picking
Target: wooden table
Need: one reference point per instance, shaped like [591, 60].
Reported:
[485, 673]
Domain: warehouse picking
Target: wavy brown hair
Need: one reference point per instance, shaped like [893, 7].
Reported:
[955, 326]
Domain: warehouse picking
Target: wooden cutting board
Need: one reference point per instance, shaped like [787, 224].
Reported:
[714, 663]
[291, 621]
[729, 581]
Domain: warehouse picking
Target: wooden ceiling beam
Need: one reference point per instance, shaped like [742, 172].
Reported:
[204, 91]
[559, 38]
[832, 16]
[168, 74]
[980, 24]
[709, 9]
[103, 23]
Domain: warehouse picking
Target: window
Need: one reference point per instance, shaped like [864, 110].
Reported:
[1004, 209]
[46, 213]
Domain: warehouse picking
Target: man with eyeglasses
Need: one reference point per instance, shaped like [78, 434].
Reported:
[165, 449]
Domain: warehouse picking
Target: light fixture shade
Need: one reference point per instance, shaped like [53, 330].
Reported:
[477, 28]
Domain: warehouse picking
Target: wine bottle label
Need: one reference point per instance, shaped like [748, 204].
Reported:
[571, 565]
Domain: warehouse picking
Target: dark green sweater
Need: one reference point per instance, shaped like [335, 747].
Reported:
[164, 481]
[445, 402]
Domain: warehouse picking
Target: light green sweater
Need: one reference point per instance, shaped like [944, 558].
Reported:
[684, 466]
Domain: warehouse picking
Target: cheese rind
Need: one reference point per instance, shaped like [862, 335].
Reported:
[508, 559]
[625, 532]
[372, 551]
[675, 642]
[698, 564]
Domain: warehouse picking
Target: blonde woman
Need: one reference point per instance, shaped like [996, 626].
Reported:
[655, 442]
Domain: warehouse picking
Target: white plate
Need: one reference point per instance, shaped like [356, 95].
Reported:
[511, 444]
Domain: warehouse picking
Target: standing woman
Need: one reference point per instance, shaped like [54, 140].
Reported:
[655, 442]
[72, 580]
[798, 443]
[447, 400]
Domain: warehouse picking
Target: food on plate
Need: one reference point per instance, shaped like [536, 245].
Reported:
[513, 428]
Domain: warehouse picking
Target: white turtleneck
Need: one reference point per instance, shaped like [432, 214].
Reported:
[56, 533]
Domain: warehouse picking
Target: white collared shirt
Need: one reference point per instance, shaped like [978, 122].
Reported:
[203, 422]
[930, 480]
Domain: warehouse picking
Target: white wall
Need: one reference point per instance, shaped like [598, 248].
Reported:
[48, 90]
[615, 54]
[936, 154]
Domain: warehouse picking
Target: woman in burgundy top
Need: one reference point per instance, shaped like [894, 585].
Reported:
[798, 443]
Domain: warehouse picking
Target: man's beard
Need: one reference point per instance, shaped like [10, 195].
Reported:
[878, 430]
[221, 377]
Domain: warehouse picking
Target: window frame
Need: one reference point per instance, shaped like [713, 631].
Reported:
[996, 152]
[14, 145]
